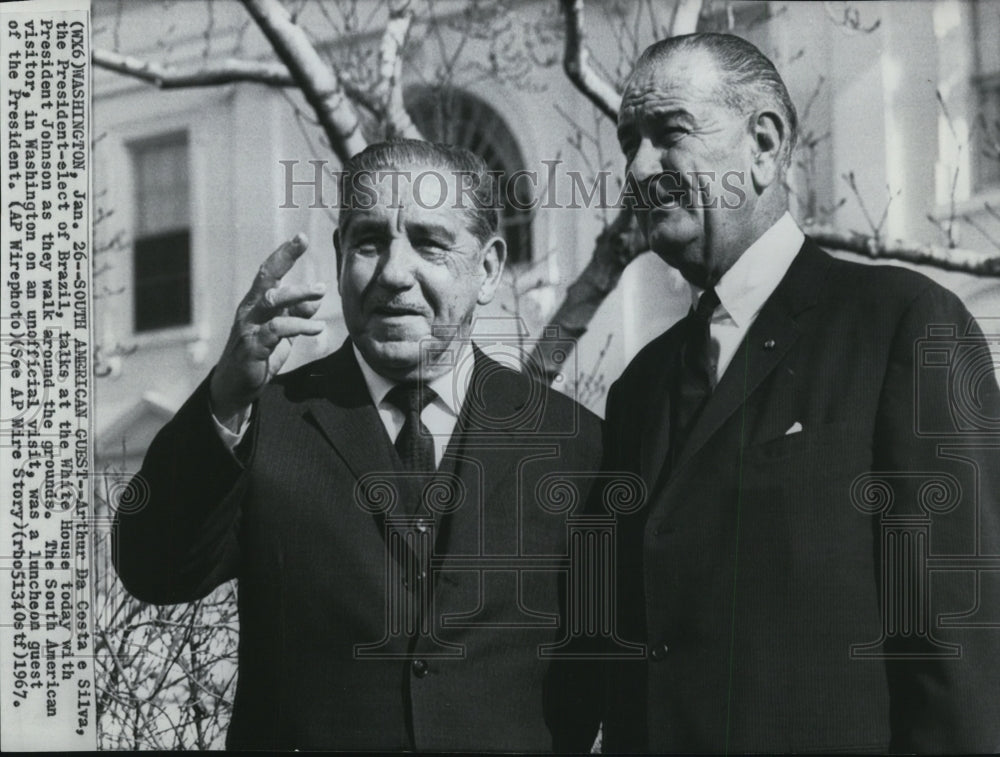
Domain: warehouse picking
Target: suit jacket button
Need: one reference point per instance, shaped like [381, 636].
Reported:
[659, 652]
[419, 668]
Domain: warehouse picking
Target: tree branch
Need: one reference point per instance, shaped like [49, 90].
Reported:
[214, 73]
[945, 258]
[576, 63]
[390, 84]
[318, 82]
[615, 247]
[207, 74]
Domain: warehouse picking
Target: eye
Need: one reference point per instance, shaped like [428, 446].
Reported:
[428, 244]
[367, 245]
[670, 134]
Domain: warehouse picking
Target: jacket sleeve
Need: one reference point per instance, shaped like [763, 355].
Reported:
[944, 678]
[175, 532]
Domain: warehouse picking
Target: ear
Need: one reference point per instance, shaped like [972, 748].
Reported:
[769, 135]
[494, 259]
[340, 256]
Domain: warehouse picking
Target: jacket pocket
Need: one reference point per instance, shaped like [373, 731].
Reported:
[811, 437]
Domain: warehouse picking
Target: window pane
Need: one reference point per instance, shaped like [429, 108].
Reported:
[162, 240]
[162, 281]
[161, 170]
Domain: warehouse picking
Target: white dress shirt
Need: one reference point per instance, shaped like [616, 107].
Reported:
[440, 416]
[745, 287]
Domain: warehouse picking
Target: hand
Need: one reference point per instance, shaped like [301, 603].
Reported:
[267, 319]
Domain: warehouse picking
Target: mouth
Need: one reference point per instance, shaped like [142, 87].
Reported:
[665, 192]
[397, 311]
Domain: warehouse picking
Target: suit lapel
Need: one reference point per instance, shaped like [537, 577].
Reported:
[490, 430]
[769, 339]
[340, 406]
[766, 343]
[655, 446]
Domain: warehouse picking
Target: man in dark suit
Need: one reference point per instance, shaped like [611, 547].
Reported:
[816, 565]
[399, 577]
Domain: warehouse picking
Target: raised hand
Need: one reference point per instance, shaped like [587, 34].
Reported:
[267, 319]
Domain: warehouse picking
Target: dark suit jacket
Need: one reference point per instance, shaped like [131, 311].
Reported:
[765, 575]
[315, 577]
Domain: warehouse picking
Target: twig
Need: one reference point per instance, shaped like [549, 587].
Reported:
[876, 228]
[208, 74]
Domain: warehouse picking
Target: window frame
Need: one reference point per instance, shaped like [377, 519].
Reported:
[122, 199]
[134, 147]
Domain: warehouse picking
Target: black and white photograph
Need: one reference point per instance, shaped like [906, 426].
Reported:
[500, 377]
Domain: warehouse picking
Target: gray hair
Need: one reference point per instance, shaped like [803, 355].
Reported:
[750, 80]
[404, 154]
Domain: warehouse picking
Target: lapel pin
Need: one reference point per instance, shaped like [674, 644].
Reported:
[769, 344]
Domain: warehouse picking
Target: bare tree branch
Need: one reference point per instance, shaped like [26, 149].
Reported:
[205, 74]
[362, 96]
[615, 247]
[576, 63]
[685, 17]
[215, 73]
[390, 83]
[945, 258]
[319, 83]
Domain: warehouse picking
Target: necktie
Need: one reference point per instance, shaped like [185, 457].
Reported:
[693, 383]
[414, 444]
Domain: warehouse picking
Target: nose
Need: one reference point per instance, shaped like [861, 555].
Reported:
[397, 269]
[646, 161]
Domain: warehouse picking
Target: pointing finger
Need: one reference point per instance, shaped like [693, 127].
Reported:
[279, 263]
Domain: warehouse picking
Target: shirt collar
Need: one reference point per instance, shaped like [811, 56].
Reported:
[450, 387]
[745, 287]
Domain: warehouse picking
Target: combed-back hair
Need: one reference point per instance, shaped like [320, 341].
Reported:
[750, 80]
[414, 155]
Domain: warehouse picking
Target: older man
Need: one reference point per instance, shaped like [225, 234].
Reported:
[378, 506]
[816, 564]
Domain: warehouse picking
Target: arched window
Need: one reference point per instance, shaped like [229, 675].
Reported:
[458, 118]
